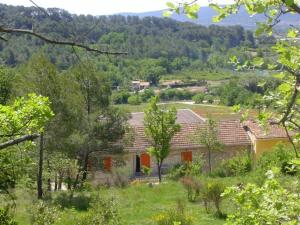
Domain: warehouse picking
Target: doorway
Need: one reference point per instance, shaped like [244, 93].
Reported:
[137, 164]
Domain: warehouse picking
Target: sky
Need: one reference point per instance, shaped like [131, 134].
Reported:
[103, 7]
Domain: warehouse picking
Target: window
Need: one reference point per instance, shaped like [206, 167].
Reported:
[107, 163]
[145, 160]
[186, 156]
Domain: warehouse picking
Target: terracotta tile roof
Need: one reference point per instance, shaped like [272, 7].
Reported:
[183, 116]
[231, 133]
[270, 131]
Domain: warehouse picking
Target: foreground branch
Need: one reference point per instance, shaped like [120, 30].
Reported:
[56, 42]
[29, 137]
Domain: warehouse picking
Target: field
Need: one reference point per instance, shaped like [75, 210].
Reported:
[215, 111]
[138, 204]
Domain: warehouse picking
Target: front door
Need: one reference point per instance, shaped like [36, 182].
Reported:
[137, 164]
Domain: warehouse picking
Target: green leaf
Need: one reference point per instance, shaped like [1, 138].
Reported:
[171, 5]
[167, 13]
[258, 61]
[289, 2]
[279, 76]
[292, 33]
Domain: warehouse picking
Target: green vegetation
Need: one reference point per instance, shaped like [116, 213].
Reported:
[67, 105]
[160, 127]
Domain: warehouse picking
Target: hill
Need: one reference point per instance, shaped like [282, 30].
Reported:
[242, 18]
[156, 46]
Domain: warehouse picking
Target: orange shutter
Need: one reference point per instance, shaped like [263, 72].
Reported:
[90, 164]
[107, 163]
[145, 160]
[186, 156]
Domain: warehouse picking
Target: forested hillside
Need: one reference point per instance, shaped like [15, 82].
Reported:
[155, 46]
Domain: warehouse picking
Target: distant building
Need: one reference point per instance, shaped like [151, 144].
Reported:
[138, 85]
[237, 137]
[171, 83]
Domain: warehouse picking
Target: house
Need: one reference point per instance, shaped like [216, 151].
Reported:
[171, 83]
[137, 85]
[264, 138]
[236, 137]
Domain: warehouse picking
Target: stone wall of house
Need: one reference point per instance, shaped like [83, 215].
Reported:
[101, 177]
[197, 154]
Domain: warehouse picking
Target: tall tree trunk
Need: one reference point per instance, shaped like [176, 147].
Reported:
[85, 166]
[40, 168]
[209, 160]
[69, 180]
[159, 171]
[49, 184]
[60, 180]
[55, 182]
[76, 180]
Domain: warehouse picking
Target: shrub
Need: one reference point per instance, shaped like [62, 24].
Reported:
[209, 99]
[134, 100]
[198, 98]
[6, 218]
[236, 166]
[120, 97]
[193, 186]
[186, 169]
[174, 216]
[104, 211]
[268, 204]
[278, 157]
[77, 200]
[120, 177]
[44, 214]
[211, 193]
[147, 94]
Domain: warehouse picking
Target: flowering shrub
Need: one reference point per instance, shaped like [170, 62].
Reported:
[269, 204]
[174, 216]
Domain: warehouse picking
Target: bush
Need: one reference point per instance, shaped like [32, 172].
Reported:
[104, 211]
[209, 99]
[77, 200]
[174, 216]
[268, 204]
[44, 214]
[134, 100]
[120, 97]
[147, 94]
[211, 193]
[278, 157]
[198, 98]
[236, 166]
[175, 94]
[120, 177]
[186, 169]
[6, 218]
[193, 186]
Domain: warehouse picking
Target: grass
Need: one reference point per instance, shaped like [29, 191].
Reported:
[138, 204]
[215, 111]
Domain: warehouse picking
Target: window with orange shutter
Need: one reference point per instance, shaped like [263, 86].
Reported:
[107, 163]
[186, 156]
[145, 160]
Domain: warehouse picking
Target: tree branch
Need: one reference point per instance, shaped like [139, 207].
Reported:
[56, 42]
[292, 6]
[29, 137]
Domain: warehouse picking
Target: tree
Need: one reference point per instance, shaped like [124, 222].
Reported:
[6, 78]
[160, 127]
[268, 204]
[208, 136]
[285, 100]
[20, 122]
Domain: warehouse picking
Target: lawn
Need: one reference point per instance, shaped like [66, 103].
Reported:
[215, 111]
[138, 204]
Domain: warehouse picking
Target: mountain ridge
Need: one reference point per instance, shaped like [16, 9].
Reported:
[206, 15]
